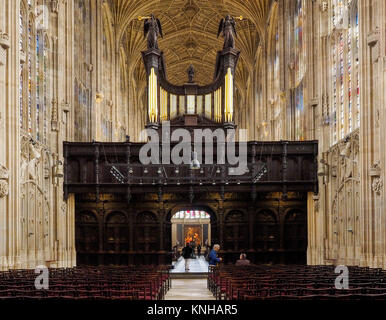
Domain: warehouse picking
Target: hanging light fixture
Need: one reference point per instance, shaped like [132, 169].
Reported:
[145, 171]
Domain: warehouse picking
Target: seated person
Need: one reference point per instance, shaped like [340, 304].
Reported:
[243, 261]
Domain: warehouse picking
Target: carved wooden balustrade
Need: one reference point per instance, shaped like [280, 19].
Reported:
[98, 167]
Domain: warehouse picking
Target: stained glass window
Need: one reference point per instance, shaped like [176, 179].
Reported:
[356, 59]
[345, 69]
[46, 84]
[191, 214]
[38, 73]
[335, 96]
[82, 97]
[299, 41]
[31, 50]
[21, 78]
[299, 69]
[33, 77]
[341, 85]
[276, 85]
[299, 113]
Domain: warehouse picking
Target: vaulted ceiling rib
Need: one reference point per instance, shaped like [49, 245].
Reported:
[190, 30]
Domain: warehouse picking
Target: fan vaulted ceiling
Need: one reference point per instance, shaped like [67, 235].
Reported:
[190, 30]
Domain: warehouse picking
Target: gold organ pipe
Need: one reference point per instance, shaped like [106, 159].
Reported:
[149, 99]
[217, 96]
[153, 108]
[229, 96]
[220, 104]
[163, 103]
[217, 109]
[217, 105]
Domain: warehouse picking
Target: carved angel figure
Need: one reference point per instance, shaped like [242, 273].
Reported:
[152, 28]
[228, 29]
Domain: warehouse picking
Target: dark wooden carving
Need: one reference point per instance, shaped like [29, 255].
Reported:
[269, 231]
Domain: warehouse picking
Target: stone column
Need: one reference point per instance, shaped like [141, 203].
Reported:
[9, 135]
[372, 132]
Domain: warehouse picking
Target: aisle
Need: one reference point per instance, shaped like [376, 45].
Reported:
[189, 289]
[195, 265]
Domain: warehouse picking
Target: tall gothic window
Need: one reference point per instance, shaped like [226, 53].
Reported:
[300, 52]
[107, 113]
[82, 85]
[46, 88]
[34, 73]
[345, 113]
[38, 87]
[299, 69]
[30, 66]
[22, 47]
[273, 76]
[275, 72]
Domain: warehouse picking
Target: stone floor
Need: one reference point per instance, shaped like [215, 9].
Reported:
[195, 265]
[189, 289]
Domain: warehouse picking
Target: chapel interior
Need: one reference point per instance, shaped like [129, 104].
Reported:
[302, 83]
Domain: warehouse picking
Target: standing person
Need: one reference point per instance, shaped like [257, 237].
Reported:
[213, 259]
[187, 253]
[206, 254]
[199, 249]
[243, 261]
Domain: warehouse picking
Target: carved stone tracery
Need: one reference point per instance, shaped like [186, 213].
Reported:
[4, 176]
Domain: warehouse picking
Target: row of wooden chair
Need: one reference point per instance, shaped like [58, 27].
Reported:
[102, 283]
[293, 282]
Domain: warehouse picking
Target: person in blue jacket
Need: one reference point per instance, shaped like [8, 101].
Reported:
[213, 259]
